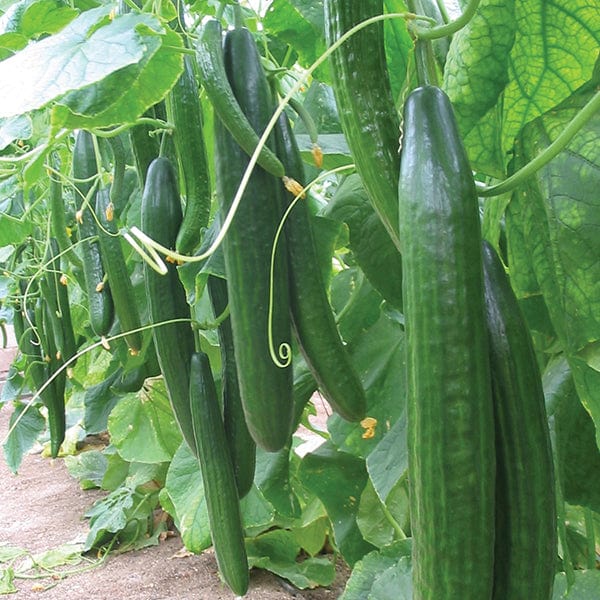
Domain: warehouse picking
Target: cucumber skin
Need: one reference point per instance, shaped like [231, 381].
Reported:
[190, 150]
[526, 545]
[174, 343]
[117, 275]
[312, 316]
[216, 83]
[217, 474]
[366, 106]
[100, 303]
[266, 388]
[449, 404]
[242, 447]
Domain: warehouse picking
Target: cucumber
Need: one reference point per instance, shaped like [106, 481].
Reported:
[365, 103]
[525, 550]
[312, 316]
[186, 114]
[449, 404]
[265, 387]
[117, 273]
[220, 488]
[174, 342]
[216, 84]
[242, 447]
[100, 301]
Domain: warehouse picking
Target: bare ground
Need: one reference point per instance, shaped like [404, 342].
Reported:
[41, 508]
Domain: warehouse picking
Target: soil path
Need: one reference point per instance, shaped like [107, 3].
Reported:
[41, 508]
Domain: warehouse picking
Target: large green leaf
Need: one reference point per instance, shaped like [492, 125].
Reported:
[586, 586]
[338, 479]
[556, 215]
[385, 571]
[555, 50]
[185, 492]
[300, 24]
[87, 50]
[125, 94]
[142, 426]
[477, 63]
[554, 53]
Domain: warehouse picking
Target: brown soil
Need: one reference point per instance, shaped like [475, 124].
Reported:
[41, 508]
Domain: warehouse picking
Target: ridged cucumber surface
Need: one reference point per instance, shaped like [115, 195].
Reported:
[449, 405]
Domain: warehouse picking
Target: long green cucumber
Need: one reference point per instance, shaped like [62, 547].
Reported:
[174, 342]
[57, 215]
[525, 550]
[220, 488]
[57, 298]
[117, 273]
[449, 404]
[145, 146]
[312, 316]
[242, 447]
[186, 114]
[100, 302]
[266, 388]
[215, 82]
[366, 107]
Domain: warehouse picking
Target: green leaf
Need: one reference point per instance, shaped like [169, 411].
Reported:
[338, 479]
[13, 230]
[476, 68]
[277, 552]
[554, 53]
[14, 128]
[398, 46]
[9, 553]
[388, 461]
[83, 53]
[333, 145]
[578, 454]
[556, 216]
[300, 24]
[142, 426]
[88, 467]
[585, 587]
[7, 578]
[45, 17]
[99, 400]
[272, 477]
[364, 579]
[258, 513]
[320, 104]
[370, 243]
[21, 439]
[378, 355]
[186, 492]
[126, 513]
[378, 521]
[125, 94]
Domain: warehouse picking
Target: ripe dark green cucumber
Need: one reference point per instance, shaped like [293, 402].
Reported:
[242, 447]
[266, 388]
[312, 316]
[186, 114]
[220, 488]
[209, 55]
[117, 273]
[450, 417]
[525, 549]
[366, 107]
[100, 301]
[174, 342]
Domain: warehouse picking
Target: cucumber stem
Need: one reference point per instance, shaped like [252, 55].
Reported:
[447, 29]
